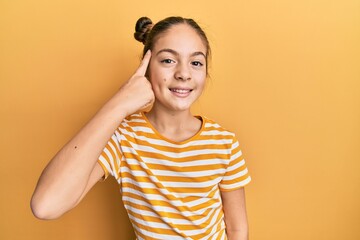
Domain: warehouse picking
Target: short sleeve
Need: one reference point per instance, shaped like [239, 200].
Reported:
[110, 157]
[236, 175]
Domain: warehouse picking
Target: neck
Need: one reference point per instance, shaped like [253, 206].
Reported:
[165, 120]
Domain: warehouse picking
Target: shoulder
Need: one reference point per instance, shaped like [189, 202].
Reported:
[214, 127]
[135, 119]
[133, 123]
[216, 132]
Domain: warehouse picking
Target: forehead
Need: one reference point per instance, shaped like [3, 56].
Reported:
[181, 38]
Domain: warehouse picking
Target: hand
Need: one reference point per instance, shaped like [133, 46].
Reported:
[136, 93]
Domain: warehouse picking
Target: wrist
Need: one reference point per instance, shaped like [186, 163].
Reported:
[114, 110]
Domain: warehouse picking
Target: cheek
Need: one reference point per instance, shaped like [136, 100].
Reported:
[160, 77]
[159, 81]
[202, 80]
[156, 74]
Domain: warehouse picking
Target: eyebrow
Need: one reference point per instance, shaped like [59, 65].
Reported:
[169, 50]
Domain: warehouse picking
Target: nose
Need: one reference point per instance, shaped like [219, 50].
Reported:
[183, 72]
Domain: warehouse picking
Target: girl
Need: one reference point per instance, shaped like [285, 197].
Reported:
[181, 176]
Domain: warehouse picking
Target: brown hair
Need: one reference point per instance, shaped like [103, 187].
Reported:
[147, 33]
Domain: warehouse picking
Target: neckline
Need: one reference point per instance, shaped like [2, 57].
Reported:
[196, 135]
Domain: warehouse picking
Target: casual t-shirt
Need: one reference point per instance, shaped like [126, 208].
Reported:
[171, 190]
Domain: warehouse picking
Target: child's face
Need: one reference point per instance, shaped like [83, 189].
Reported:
[177, 69]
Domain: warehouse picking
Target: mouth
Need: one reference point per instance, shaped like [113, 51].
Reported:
[181, 92]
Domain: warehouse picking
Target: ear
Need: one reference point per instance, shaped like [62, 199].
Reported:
[147, 73]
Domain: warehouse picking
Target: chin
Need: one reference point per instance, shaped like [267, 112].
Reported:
[176, 104]
[180, 107]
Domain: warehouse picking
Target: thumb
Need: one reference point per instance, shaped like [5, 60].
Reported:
[141, 71]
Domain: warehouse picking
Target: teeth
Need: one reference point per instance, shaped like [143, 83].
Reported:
[179, 90]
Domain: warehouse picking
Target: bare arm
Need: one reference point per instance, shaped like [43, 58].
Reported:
[235, 214]
[74, 169]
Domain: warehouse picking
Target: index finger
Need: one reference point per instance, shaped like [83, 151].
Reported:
[141, 71]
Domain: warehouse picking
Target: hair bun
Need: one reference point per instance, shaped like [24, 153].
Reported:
[142, 28]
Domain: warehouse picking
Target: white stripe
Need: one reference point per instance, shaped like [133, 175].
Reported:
[215, 125]
[142, 211]
[114, 148]
[212, 223]
[191, 184]
[178, 202]
[181, 154]
[236, 155]
[111, 160]
[157, 235]
[192, 163]
[149, 223]
[172, 184]
[194, 174]
[140, 238]
[235, 145]
[142, 129]
[106, 164]
[135, 173]
[139, 184]
[116, 161]
[216, 235]
[169, 163]
[165, 191]
[172, 220]
[216, 132]
[186, 232]
[132, 161]
[137, 120]
[183, 194]
[236, 185]
[237, 175]
[214, 229]
[139, 114]
[129, 150]
[239, 164]
[159, 208]
[203, 230]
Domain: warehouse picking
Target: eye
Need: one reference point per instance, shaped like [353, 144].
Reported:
[197, 64]
[167, 61]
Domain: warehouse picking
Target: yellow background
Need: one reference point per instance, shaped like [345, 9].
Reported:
[285, 77]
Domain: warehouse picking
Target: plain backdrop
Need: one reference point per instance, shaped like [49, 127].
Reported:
[285, 77]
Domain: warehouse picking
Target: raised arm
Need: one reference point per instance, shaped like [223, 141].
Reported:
[235, 214]
[74, 169]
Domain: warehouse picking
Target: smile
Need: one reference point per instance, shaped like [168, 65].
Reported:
[181, 91]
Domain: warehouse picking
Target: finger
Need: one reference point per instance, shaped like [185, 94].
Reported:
[144, 64]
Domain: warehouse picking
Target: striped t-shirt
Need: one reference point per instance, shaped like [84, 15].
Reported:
[171, 190]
